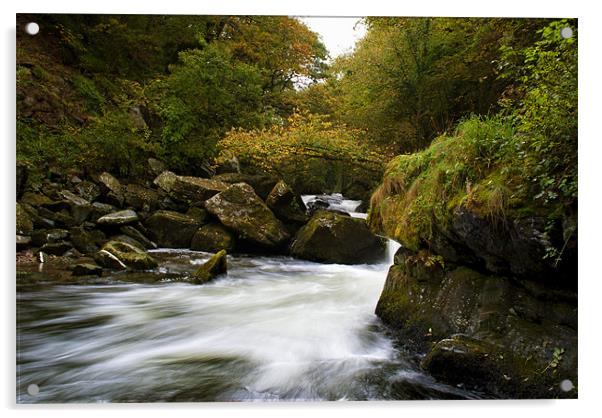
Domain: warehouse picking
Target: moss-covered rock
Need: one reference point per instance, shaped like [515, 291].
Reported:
[333, 238]
[212, 238]
[141, 198]
[135, 233]
[242, 211]
[427, 301]
[88, 190]
[171, 229]
[121, 255]
[111, 189]
[262, 184]
[189, 189]
[87, 241]
[24, 222]
[43, 236]
[217, 265]
[286, 204]
[56, 248]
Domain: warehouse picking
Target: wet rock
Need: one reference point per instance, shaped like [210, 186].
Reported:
[189, 189]
[261, 184]
[242, 211]
[171, 229]
[333, 238]
[212, 238]
[86, 269]
[129, 240]
[122, 217]
[56, 248]
[214, 267]
[286, 204]
[72, 198]
[121, 255]
[24, 222]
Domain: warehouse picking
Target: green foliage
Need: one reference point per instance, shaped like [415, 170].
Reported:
[206, 94]
[88, 90]
[307, 151]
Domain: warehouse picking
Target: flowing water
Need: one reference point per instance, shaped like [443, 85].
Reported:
[276, 328]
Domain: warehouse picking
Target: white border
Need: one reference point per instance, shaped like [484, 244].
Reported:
[589, 191]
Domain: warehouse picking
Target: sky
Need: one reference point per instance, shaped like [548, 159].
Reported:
[339, 34]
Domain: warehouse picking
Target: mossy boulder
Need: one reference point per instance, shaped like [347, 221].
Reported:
[24, 222]
[135, 233]
[262, 184]
[122, 217]
[111, 189]
[426, 300]
[217, 265]
[120, 255]
[332, 238]
[87, 241]
[171, 229]
[212, 238]
[43, 236]
[88, 190]
[56, 248]
[242, 211]
[141, 198]
[188, 189]
[286, 204]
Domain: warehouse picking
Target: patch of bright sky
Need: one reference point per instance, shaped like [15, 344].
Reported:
[339, 34]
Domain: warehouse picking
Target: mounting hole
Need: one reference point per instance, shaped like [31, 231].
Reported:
[33, 389]
[566, 32]
[32, 28]
[566, 385]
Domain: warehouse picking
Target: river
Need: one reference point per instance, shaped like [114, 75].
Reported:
[276, 328]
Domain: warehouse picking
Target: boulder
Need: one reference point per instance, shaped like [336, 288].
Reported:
[122, 217]
[155, 167]
[189, 189]
[111, 189]
[87, 190]
[43, 236]
[86, 241]
[197, 213]
[121, 255]
[217, 265]
[56, 248]
[35, 199]
[426, 300]
[333, 238]
[24, 222]
[212, 238]
[136, 234]
[262, 184]
[141, 198]
[286, 204]
[99, 210]
[22, 242]
[242, 211]
[86, 269]
[79, 208]
[171, 229]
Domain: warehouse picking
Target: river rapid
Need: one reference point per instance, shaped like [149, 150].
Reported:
[276, 328]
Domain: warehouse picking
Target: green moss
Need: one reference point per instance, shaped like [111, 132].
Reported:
[477, 167]
[214, 267]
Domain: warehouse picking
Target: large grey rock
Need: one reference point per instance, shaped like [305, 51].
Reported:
[189, 189]
[171, 229]
[286, 204]
[261, 184]
[122, 217]
[242, 211]
[332, 238]
[111, 189]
